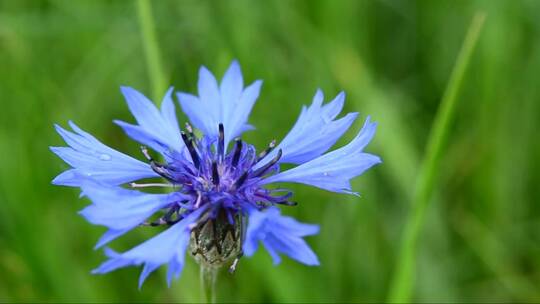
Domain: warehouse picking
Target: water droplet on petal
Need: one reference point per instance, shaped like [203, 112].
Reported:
[105, 157]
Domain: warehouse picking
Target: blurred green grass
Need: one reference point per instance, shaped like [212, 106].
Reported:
[62, 60]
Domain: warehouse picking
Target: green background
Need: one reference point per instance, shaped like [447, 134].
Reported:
[480, 238]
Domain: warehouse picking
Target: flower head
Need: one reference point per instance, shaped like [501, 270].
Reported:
[220, 206]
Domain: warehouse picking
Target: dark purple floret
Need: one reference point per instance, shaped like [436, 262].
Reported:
[217, 181]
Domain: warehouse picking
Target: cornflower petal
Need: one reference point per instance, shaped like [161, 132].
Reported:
[90, 158]
[120, 209]
[228, 103]
[168, 247]
[279, 234]
[157, 129]
[315, 131]
[237, 102]
[334, 170]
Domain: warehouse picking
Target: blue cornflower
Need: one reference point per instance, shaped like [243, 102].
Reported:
[219, 206]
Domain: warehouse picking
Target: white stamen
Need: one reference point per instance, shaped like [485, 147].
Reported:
[199, 200]
[233, 266]
[135, 185]
[145, 152]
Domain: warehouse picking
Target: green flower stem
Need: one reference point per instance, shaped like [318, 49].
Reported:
[404, 277]
[151, 49]
[208, 283]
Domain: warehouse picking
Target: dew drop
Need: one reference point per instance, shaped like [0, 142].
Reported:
[326, 174]
[105, 157]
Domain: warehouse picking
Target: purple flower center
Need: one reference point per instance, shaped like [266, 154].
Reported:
[217, 180]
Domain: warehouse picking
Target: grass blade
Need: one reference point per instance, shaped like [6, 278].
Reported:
[151, 49]
[403, 280]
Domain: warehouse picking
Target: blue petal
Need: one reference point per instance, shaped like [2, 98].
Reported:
[314, 132]
[231, 87]
[228, 103]
[141, 135]
[156, 129]
[276, 259]
[237, 103]
[168, 247]
[239, 112]
[174, 270]
[334, 170]
[294, 247]
[279, 234]
[209, 95]
[120, 209]
[109, 236]
[255, 231]
[203, 111]
[195, 111]
[90, 158]
[67, 178]
[147, 270]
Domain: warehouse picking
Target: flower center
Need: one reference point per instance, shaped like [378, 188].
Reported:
[226, 185]
[214, 179]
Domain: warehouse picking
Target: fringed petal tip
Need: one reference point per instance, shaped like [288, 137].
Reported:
[120, 209]
[156, 128]
[316, 130]
[90, 158]
[280, 235]
[228, 103]
[172, 244]
[67, 178]
[334, 170]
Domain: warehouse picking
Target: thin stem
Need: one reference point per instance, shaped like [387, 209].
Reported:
[404, 276]
[151, 48]
[208, 276]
